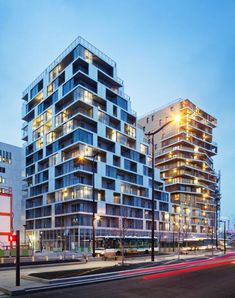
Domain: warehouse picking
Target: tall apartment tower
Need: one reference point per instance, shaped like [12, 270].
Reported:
[11, 168]
[184, 154]
[77, 107]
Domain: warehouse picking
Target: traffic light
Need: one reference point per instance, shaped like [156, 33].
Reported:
[12, 238]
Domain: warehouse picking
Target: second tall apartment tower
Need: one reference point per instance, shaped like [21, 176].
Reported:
[184, 156]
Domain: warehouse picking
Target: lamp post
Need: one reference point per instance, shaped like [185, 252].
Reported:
[217, 210]
[152, 135]
[224, 222]
[212, 240]
[40, 239]
[93, 157]
[173, 230]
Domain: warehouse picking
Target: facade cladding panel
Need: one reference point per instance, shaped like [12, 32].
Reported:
[78, 107]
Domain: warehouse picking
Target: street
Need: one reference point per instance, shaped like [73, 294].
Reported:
[215, 282]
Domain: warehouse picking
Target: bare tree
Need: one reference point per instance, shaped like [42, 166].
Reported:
[123, 231]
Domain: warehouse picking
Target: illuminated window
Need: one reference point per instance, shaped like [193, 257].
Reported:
[131, 131]
[54, 72]
[39, 143]
[49, 89]
[143, 149]
[50, 137]
[2, 179]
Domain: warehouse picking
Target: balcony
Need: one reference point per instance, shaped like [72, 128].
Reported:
[206, 117]
[69, 126]
[189, 138]
[194, 157]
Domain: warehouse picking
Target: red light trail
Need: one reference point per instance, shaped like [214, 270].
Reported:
[186, 270]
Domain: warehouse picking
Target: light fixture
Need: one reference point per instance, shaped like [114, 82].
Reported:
[177, 118]
[81, 157]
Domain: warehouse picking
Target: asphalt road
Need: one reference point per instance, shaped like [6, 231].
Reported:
[218, 282]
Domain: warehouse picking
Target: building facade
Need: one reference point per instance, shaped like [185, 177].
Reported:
[184, 154]
[77, 107]
[11, 168]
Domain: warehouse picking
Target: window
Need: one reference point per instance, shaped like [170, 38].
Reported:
[36, 89]
[80, 51]
[129, 130]
[5, 156]
[121, 102]
[68, 86]
[54, 72]
[48, 102]
[115, 111]
[128, 118]
[139, 179]
[2, 179]
[172, 108]
[143, 149]
[111, 172]
[152, 117]
[53, 160]
[145, 170]
[56, 83]
[130, 165]
[2, 170]
[84, 136]
[160, 122]
[147, 120]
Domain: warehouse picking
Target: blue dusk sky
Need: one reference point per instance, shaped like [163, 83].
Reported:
[164, 50]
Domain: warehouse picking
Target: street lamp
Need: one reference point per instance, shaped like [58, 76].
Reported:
[93, 157]
[152, 135]
[40, 239]
[173, 230]
[224, 222]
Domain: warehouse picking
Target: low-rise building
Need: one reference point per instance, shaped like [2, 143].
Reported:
[11, 205]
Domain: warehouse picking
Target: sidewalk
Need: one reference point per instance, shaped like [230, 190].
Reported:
[7, 277]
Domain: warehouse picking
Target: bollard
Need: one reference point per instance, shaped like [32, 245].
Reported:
[73, 257]
[61, 257]
[33, 258]
[46, 258]
[2, 260]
